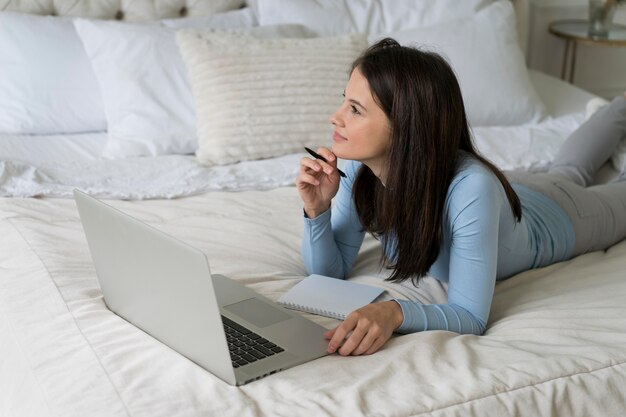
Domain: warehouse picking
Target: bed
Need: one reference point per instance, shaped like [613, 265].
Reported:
[555, 343]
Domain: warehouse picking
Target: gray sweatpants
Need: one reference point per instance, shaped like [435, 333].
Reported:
[598, 213]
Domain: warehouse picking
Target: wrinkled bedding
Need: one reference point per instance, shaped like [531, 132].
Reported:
[53, 165]
[555, 343]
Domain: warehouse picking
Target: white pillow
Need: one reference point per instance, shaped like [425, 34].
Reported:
[144, 83]
[46, 84]
[336, 17]
[484, 52]
[261, 98]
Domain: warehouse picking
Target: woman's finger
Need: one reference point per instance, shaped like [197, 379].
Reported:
[329, 334]
[378, 343]
[354, 340]
[310, 164]
[341, 331]
[307, 179]
[328, 154]
[367, 342]
[316, 165]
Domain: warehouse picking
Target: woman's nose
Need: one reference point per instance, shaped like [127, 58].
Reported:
[335, 120]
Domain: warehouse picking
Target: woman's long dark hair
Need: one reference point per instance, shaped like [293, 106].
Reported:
[421, 97]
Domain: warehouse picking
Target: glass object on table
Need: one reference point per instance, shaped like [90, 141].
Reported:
[601, 14]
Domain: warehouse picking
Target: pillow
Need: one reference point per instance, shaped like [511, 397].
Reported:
[336, 17]
[261, 98]
[489, 64]
[47, 85]
[144, 84]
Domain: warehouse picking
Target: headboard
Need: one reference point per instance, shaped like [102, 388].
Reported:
[142, 10]
[128, 10]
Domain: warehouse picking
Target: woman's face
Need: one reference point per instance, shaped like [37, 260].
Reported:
[362, 130]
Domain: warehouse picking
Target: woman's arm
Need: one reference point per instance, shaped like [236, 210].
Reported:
[332, 240]
[473, 212]
[473, 215]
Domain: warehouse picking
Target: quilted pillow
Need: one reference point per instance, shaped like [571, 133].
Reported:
[261, 98]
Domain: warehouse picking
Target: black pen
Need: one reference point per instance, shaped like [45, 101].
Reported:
[318, 156]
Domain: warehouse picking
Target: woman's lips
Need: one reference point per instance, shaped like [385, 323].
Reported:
[338, 138]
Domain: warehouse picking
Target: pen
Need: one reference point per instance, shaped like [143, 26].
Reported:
[318, 156]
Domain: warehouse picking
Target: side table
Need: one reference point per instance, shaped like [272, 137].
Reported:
[577, 32]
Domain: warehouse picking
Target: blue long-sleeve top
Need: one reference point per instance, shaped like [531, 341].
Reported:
[482, 243]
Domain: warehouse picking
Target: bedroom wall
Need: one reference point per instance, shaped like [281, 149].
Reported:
[599, 69]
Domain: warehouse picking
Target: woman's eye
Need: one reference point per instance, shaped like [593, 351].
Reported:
[354, 109]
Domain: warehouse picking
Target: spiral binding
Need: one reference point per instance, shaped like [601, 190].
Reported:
[313, 310]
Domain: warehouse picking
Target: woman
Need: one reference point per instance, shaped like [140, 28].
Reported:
[415, 181]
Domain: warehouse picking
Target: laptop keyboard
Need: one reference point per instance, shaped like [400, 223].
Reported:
[246, 346]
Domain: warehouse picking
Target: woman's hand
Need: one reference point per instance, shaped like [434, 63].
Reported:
[318, 182]
[370, 327]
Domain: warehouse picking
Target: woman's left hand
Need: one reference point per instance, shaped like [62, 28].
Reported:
[365, 330]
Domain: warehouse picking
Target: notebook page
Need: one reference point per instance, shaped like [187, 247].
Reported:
[329, 297]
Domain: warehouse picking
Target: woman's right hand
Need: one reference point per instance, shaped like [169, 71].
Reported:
[318, 182]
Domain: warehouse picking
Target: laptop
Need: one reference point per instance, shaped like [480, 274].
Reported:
[165, 287]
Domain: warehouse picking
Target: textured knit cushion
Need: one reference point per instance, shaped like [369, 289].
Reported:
[260, 98]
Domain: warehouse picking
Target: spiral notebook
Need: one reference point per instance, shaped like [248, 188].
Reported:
[330, 297]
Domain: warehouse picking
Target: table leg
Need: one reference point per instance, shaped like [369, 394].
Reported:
[565, 54]
[573, 64]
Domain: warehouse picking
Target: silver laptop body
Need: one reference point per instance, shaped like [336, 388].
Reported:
[165, 287]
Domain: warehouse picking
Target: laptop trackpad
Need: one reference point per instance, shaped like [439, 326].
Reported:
[257, 312]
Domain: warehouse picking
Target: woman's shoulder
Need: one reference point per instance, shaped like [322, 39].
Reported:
[472, 178]
[470, 167]
[474, 192]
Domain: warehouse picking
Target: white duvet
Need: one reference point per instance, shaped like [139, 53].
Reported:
[555, 343]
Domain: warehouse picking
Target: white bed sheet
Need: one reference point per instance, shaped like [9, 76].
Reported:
[554, 345]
